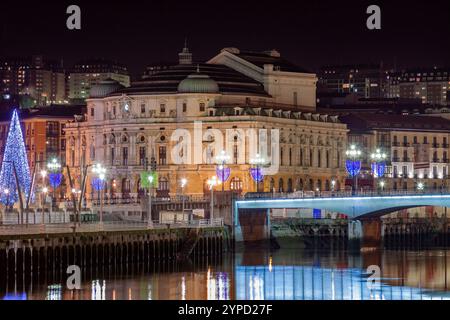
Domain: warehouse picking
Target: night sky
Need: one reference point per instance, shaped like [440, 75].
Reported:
[310, 33]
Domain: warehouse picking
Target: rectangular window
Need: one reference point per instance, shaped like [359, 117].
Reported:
[162, 108]
[405, 171]
[295, 98]
[142, 156]
[125, 156]
[113, 155]
[202, 107]
[162, 155]
[184, 106]
[92, 112]
[142, 108]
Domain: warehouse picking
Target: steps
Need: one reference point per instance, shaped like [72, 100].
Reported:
[188, 244]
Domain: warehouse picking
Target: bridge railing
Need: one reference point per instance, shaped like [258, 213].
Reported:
[339, 194]
[19, 229]
[155, 200]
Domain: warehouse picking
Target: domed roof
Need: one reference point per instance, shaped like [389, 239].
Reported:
[198, 83]
[104, 88]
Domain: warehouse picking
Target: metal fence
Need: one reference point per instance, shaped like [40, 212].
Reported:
[19, 229]
[340, 194]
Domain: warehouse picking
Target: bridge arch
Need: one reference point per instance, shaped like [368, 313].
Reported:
[354, 207]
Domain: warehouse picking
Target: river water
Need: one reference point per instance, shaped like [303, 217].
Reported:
[256, 273]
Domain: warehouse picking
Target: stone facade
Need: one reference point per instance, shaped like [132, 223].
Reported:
[127, 129]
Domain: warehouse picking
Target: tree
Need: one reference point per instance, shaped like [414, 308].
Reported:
[14, 159]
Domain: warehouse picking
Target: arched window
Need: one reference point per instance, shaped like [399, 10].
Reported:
[299, 184]
[319, 158]
[289, 185]
[290, 156]
[328, 159]
[125, 188]
[163, 184]
[236, 184]
[141, 191]
[281, 185]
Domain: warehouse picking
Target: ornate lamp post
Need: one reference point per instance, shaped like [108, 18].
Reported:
[43, 194]
[54, 177]
[353, 165]
[99, 183]
[420, 186]
[183, 183]
[212, 183]
[378, 164]
[256, 170]
[150, 185]
[333, 185]
[222, 171]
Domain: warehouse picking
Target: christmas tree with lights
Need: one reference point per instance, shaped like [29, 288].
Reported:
[15, 165]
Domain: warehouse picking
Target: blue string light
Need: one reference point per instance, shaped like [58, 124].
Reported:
[378, 169]
[256, 174]
[98, 184]
[15, 156]
[55, 179]
[353, 167]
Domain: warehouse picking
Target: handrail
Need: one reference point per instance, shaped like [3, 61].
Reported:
[19, 229]
[340, 194]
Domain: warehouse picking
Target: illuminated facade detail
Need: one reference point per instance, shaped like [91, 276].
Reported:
[184, 132]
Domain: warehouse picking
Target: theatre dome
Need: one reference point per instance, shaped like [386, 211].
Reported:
[198, 83]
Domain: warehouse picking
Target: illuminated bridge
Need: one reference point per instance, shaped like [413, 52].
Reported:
[363, 206]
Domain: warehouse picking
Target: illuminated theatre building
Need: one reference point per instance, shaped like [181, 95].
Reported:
[126, 128]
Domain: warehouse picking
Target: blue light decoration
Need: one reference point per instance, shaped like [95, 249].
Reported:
[55, 179]
[317, 213]
[223, 172]
[257, 174]
[353, 167]
[378, 169]
[15, 156]
[97, 184]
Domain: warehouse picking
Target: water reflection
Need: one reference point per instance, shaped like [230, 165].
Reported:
[258, 274]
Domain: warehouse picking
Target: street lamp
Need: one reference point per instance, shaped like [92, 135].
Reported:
[54, 178]
[44, 194]
[382, 184]
[353, 165]
[183, 184]
[100, 171]
[420, 186]
[6, 192]
[212, 182]
[378, 163]
[256, 172]
[222, 159]
[150, 184]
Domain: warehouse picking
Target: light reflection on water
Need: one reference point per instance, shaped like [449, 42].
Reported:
[257, 274]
